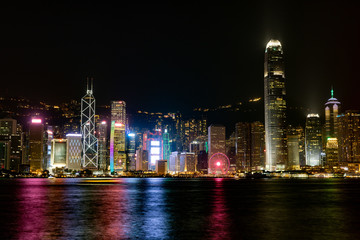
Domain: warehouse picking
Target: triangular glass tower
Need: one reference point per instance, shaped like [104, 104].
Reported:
[89, 141]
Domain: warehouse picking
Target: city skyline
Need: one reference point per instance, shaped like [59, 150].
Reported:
[224, 120]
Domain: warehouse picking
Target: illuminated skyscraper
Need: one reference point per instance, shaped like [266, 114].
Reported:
[166, 146]
[161, 167]
[131, 163]
[313, 140]
[118, 136]
[142, 160]
[332, 153]
[275, 107]
[216, 139]
[187, 162]
[36, 148]
[293, 152]
[89, 141]
[257, 146]
[11, 144]
[154, 147]
[349, 137]
[295, 145]
[7, 126]
[243, 146]
[174, 162]
[332, 109]
[73, 151]
[249, 145]
[102, 137]
[59, 153]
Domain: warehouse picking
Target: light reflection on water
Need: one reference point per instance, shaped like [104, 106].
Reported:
[218, 227]
[158, 208]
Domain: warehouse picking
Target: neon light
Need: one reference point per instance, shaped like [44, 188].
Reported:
[112, 132]
[131, 134]
[49, 132]
[155, 151]
[103, 122]
[155, 143]
[118, 125]
[36, 120]
[219, 162]
[73, 135]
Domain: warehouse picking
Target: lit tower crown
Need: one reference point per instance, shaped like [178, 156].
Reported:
[89, 141]
[332, 110]
[275, 107]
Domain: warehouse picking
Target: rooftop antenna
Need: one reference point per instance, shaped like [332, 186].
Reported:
[92, 81]
[87, 84]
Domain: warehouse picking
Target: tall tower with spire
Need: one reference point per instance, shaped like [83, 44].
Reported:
[89, 141]
[275, 107]
[332, 109]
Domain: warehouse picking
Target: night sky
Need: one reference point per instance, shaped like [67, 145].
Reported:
[177, 57]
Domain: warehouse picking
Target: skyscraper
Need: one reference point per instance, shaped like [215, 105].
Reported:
[313, 139]
[7, 126]
[293, 152]
[36, 154]
[243, 146]
[295, 144]
[174, 162]
[11, 145]
[73, 151]
[349, 137]
[166, 146]
[332, 109]
[249, 146]
[118, 136]
[59, 153]
[257, 146]
[332, 152]
[89, 141]
[142, 160]
[216, 139]
[275, 107]
[131, 150]
[102, 136]
[187, 162]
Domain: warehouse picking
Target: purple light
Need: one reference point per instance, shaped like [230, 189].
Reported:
[36, 120]
[73, 135]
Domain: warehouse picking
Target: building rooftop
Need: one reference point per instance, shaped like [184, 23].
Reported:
[273, 43]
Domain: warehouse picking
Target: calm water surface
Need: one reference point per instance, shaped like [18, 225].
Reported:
[158, 208]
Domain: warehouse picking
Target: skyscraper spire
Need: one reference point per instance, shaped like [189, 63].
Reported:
[92, 84]
[332, 92]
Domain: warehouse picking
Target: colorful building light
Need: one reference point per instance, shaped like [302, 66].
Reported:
[36, 120]
[73, 135]
[118, 124]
